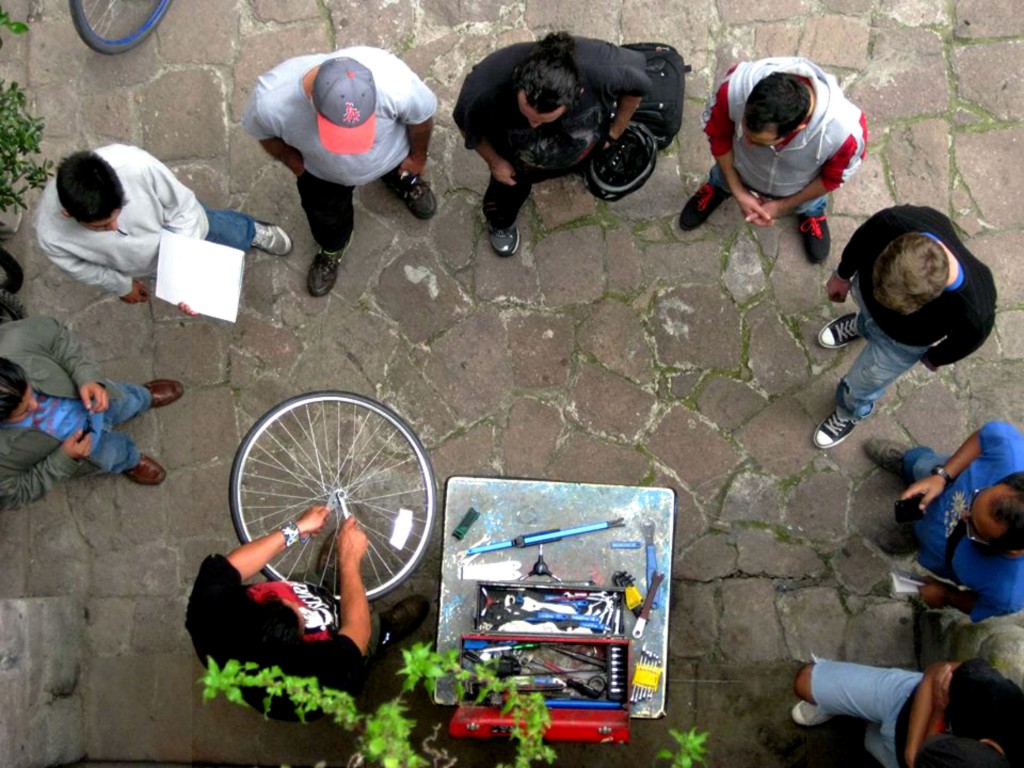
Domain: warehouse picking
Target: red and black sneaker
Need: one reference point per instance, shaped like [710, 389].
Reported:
[817, 240]
[700, 206]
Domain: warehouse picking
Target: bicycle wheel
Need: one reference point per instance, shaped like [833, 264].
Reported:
[11, 276]
[115, 26]
[352, 454]
[10, 307]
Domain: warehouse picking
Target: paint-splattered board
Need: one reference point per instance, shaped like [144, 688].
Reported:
[509, 508]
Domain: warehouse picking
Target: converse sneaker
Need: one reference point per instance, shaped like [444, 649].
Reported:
[418, 196]
[807, 714]
[270, 238]
[401, 620]
[817, 240]
[505, 242]
[700, 206]
[887, 454]
[323, 272]
[839, 332]
[833, 430]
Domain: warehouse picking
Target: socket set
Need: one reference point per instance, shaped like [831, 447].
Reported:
[564, 609]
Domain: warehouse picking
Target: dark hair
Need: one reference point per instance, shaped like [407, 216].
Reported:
[911, 271]
[278, 624]
[88, 188]
[1009, 509]
[12, 387]
[549, 76]
[780, 100]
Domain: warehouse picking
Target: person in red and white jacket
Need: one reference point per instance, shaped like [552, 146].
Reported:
[783, 136]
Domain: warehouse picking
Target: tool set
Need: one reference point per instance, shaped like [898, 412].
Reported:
[646, 676]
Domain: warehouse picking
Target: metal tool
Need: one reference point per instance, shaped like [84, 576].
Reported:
[543, 537]
[625, 545]
[467, 520]
[646, 676]
[645, 611]
[540, 568]
[652, 556]
[618, 675]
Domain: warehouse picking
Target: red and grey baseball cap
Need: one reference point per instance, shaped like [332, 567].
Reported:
[345, 98]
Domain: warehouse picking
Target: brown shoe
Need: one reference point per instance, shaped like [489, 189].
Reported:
[146, 472]
[164, 391]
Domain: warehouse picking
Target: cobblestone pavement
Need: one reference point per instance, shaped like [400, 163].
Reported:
[613, 348]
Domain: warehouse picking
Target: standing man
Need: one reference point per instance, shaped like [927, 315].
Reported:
[57, 413]
[535, 111]
[783, 136]
[100, 219]
[298, 627]
[339, 120]
[972, 529]
[923, 298]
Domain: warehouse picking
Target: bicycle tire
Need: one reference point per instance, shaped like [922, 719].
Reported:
[109, 31]
[10, 307]
[11, 275]
[311, 448]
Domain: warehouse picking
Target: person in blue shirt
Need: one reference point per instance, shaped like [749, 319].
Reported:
[972, 531]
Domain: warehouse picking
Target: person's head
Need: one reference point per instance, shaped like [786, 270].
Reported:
[271, 621]
[778, 105]
[344, 95]
[17, 399]
[995, 517]
[89, 190]
[912, 271]
[547, 84]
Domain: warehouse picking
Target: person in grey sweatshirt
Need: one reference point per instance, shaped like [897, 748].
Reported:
[100, 220]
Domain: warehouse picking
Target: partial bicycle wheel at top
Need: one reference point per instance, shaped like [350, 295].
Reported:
[115, 26]
[356, 456]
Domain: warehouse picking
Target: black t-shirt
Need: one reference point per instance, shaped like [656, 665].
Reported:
[488, 106]
[216, 620]
[962, 318]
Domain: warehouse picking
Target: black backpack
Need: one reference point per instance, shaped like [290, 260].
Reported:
[662, 109]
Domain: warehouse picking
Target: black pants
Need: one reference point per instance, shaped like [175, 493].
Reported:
[328, 207]
[502, 202]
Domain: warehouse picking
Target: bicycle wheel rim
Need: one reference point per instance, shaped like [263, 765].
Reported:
[309, 448]
[11, 275]
[10, 307]
[114, 26]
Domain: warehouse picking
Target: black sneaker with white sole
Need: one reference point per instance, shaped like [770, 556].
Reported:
[833, 430]
[839, 332]
[505, 242]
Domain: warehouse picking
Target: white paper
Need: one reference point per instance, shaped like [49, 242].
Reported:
[206, 276]
[402, 528]
[905, 582]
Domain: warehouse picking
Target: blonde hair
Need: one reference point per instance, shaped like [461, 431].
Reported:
[911, 271]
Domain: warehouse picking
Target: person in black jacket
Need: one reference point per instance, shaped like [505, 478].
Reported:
[923, 297]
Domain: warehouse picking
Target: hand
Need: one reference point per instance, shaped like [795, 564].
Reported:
[934, 594]
[352, 543]
[753, 210]
[774, 208]
[503, 172]
[76, 446]
[312, 520]
[838, 288]
[413, 165]
[928, 363]
[94, 397]
[187, 309]
[930, 488]
[138, 294]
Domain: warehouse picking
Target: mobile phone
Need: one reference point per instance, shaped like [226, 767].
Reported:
[909, 510]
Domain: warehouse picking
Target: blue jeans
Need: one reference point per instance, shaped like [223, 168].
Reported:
[230, 228]
[879, 364]
[875, 694]
[115, 452]
[815, 207]
[919, 462]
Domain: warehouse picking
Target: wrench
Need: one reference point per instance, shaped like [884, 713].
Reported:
[652, 556]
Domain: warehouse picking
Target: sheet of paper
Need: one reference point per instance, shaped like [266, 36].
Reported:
[905, 582]
[206, 276]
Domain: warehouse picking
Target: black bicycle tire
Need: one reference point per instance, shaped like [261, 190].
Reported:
[11, 307]
[107, 47]
[430, 488]
[14, 276]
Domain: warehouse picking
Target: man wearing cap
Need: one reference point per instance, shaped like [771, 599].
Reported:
[337, 121]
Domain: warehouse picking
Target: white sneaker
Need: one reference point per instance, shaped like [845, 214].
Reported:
[807, 714]
[271, 239]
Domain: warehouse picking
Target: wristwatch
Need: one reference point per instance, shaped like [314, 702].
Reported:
[291, 533]
[941, 472]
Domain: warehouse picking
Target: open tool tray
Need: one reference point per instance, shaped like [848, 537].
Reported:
[562, 609]
[589, 704]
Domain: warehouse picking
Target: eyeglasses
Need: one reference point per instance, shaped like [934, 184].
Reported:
[972, 532]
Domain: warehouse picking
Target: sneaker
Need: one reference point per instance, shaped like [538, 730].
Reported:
[833, 430]
[817, 240]
[417, 194]
[401, 620]
[505, 242]
[700, 206]
[839, 332]
[323, 272]
[270, 238]
[887, 454]
[807, 714]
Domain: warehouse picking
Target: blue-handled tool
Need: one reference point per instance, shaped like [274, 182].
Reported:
[581, 704]
[652, 557]
[590, 622]
[543, 537]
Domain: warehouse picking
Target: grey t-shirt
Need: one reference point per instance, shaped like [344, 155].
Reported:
[278, 108]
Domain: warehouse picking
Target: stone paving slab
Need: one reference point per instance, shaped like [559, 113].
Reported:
[612, 348]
